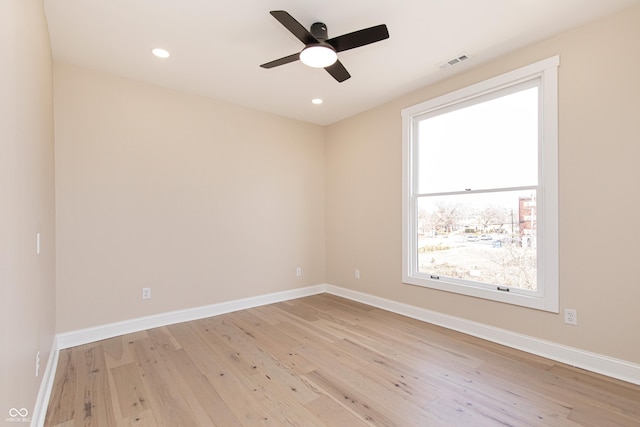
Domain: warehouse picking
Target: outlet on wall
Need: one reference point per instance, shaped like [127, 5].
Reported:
[357, 273]
[298, 271]
[570, 316]
[146, 293]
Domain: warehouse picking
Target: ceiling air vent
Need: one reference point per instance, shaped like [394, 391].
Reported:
[454, 61]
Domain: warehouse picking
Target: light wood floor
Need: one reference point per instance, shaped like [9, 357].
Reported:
[324, 361]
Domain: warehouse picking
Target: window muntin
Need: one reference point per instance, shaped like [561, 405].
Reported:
[489, 153]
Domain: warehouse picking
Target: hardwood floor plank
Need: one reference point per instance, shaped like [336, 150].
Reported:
[117, 351]
[168, 405]
[271, 314]
[304, 331]
[331, 413]
[114, 349]
[220, 344]
[265, 363]
[164, 338]
[142, 419]
[238, 377]
[587, 415]
[496, 404]
[131, 395]
[351, 399]
[265, 335]
[329, 358]
[297, 311]
[324, 361]
[364, 402]
[462, 378]
[381, 332]
[279, 401]
[222, 371]
[599, 392]
[198, 348]
[358, 379]
[62, 401]
[204, 391]
[93, 397]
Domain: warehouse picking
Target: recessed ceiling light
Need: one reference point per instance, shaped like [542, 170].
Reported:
[160, 53]
[317, 101]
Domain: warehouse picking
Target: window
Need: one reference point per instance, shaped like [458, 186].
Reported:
[480, 189]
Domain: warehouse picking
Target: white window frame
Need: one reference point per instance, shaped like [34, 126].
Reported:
[546, 296]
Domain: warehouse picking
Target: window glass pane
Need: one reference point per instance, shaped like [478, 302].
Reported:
[481, 237]
[492, 144]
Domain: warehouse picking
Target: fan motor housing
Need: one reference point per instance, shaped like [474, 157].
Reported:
[319, 31]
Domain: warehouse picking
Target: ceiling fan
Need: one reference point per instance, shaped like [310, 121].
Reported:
[321, 51]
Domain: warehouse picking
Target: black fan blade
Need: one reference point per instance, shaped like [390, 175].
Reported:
[287, 59]
[338, 71]
[359, 38]
[293, 26]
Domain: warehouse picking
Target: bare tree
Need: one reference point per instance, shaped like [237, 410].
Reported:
[424, 222]
[446, 216]
[491, 218]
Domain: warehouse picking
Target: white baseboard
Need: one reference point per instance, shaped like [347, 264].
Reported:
[615, 368]
[85, 336]
[44, 393]
[88, 335]
[605, 365]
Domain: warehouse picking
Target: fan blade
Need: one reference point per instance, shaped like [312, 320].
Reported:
[359, 38]
[338, 71]
[287, 59]
[293, 26]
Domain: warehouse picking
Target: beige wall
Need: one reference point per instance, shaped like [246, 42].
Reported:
[599, 149]
[206, 202]
[202, 201]
[27, 299]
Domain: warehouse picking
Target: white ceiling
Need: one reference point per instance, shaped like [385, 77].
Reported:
[218, 45]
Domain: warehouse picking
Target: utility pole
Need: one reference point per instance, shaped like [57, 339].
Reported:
[512, 223]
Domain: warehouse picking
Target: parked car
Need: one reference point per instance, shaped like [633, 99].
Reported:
[486, 237]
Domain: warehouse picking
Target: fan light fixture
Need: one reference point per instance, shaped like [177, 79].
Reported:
[320, 51]
[318, 56]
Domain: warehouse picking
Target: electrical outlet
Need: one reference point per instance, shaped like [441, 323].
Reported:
[357, 273]
[37, 364]
[570, 316]
[37, 243]
[146, 293]
[298, 271]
